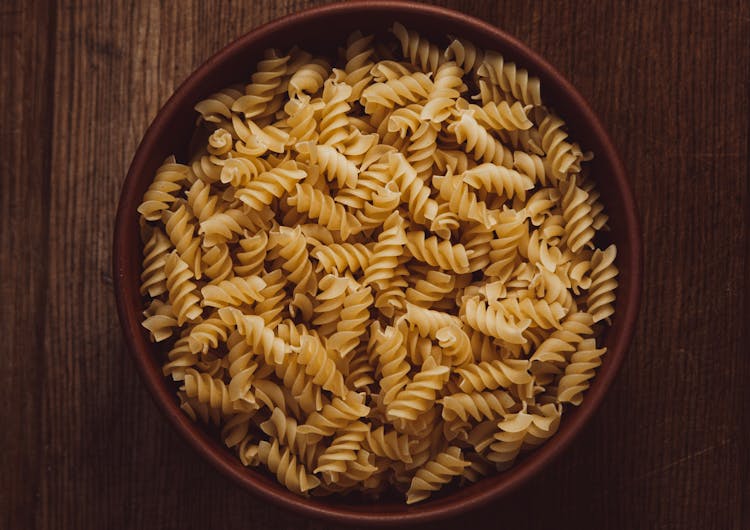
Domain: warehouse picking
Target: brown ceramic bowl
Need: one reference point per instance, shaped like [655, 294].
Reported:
[322, 29]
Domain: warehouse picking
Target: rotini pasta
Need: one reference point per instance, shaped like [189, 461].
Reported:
[378, 268]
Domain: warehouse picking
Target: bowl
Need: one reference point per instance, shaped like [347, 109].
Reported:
[170, 133]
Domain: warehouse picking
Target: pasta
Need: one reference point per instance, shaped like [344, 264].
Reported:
[381, 268]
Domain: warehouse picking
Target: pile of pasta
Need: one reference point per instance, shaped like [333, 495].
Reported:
[379, 272]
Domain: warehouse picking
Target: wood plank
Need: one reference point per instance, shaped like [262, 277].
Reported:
[26, 66]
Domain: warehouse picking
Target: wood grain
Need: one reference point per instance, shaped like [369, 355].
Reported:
[83, 446]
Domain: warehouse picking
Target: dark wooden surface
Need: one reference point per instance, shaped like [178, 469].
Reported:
[83, 446]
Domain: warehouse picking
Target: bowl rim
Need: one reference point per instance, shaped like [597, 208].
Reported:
[197, 437]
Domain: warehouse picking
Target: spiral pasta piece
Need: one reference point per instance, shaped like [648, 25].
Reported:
[234, 292]
[252, 255]
[155, 252]
[438, 253]
[359, 374]
[318, 365]
[498, 179]
[455, 344]
[435, 473]
[179, 358]
[430, 289]
[603, 283]
[464, 53]
[409, 88]
[532, 165]
[404, 120]
[512, 80]
[332, 163]
[169, 178]
[453, 159]
[201, 201]
[337, 258]
[217, 264]
[217, 108]
[330, 300]
[417, 49]
[371, 180]
[333, 123]
[427, 321]
[359, 60]
[182, 290]
[360, 471]
[236, 429]
[464, 202]
[336, 415]
[318, 205]
[579, 230]
[448, 87]
[490, 375]
[210, 391]
[597, 208]
[266, 82]
[521, 430]
[390, 444]
[539, 251]
[181, 231]
[501, 116]
[269, 185]
[270, 309]
[256, 334]
[561, 154]
[479, 406]
[270, 395]
[420, 152]
[291, 246]
[413, 190]
[355, 316]
[317, 235]
[557, 347]
[206, 168]
[540, 204]
[386, 252]
[220, 228]
[243, 365]
[299, 384]
[419, 395]
[479, 142]
[384, 202]
[477, 241]
[540, 312]
[358, 146]
[220, 142]
[388, 347]
[343, 450]
[159, 320]
[281, 427]
[493, 322]
[579, 372]
[302, 120]
[309, 78]
[238, 171]
[207, 334]
[286, 467]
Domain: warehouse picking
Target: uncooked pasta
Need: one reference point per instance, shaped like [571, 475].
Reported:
[381, 269]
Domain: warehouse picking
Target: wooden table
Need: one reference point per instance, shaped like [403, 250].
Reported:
[83, 446]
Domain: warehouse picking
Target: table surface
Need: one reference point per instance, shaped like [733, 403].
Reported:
[82, 444]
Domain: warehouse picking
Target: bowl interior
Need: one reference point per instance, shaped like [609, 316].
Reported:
[323, 30]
